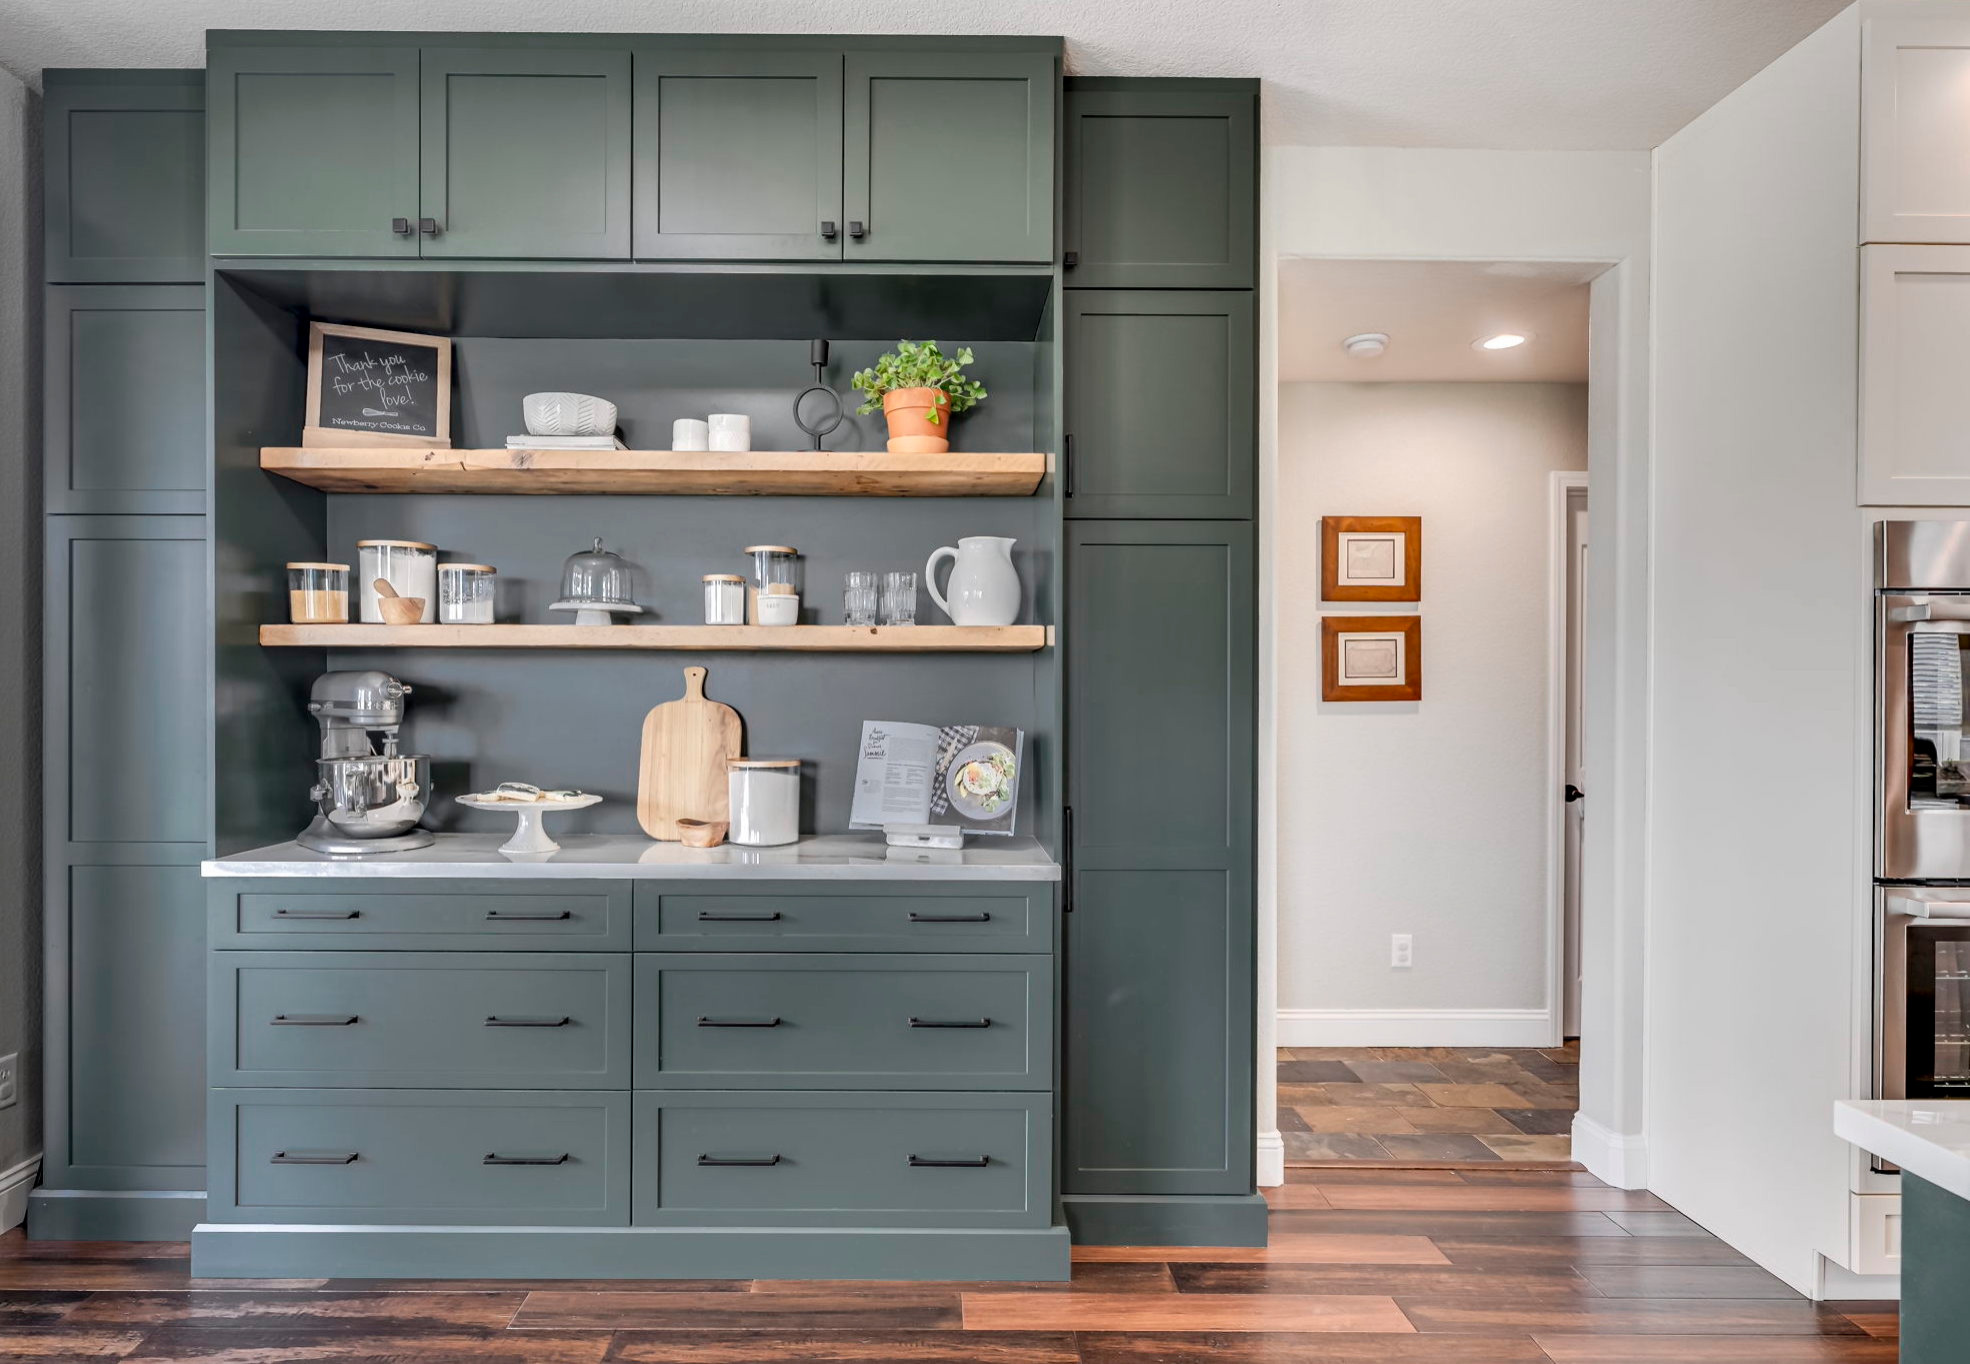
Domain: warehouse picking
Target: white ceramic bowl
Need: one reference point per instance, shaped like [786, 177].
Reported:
[568, 414]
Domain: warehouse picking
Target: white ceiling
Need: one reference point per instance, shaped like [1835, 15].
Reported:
[1560, 74]
[1432, 311]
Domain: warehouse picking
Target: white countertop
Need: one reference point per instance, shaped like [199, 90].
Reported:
[818, 857]
[1929, 1138]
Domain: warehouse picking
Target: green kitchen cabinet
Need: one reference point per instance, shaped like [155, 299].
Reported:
[124, 177]
[313, 151]
[738, 154]
[1158, 976]
[949, 156]
[1161, 403]
[525, 153]
[1161, 185]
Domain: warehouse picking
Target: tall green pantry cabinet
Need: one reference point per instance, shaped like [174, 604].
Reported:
[1160, 627]
[126, 651]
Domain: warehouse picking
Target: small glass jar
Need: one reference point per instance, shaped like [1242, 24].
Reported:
[409, 566]
[725, 599]
[465, 594]
[773, 566]
[764, 795]
[318, 594]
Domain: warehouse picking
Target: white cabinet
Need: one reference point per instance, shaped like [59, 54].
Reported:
[1915, 376]
[1874, 1233]
[1915, 130]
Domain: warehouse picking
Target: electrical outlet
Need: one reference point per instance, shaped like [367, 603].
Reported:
[10, 1072]
[1402, 951]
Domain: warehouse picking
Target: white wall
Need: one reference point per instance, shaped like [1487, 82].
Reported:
[1424, 818]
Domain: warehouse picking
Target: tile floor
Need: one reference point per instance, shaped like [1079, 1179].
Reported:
[1428, 1105]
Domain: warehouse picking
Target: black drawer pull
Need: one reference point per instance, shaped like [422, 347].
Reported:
[706, 917]
[313, 1020]
[493, 1158]
[917, 918]
[509, 917]
[315, 1158]
[495, 1021]
[950, 1022]
[738, 1022]
[318, 914]
[738, 1160]
[970, 1163]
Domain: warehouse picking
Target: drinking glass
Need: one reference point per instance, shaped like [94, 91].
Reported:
[858, 599]
[899, 599]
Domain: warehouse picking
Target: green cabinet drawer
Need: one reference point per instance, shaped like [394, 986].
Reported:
[801, 917]
[124, 177]
[420, 1020]
[480, 916]
[796, 1160]
[465, 1158]
[843, 1022]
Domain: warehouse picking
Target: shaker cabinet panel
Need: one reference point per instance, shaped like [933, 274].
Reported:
[1915, 130]
[525, 153]
[949, 156]
[1161, 188]
[313, 151]
[125, 177]
[1160, 403]
[1915, 345]
[738, 155]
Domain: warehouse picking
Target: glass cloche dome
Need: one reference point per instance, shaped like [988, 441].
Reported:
[597, 584]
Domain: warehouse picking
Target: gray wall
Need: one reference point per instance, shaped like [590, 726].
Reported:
[20, 615]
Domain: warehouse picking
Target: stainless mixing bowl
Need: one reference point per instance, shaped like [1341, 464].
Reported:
[373, 797]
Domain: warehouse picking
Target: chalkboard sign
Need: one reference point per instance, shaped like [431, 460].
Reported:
[369, 387]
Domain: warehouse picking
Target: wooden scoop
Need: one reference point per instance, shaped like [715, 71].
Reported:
[397, 610]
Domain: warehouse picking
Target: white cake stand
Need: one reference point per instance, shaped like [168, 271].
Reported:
[529, 836]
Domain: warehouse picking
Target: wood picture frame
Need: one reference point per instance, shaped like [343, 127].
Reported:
[1371, 558]
[1371, 658]
[314, 435]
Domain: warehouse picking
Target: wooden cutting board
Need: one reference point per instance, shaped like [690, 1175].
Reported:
[685, 746]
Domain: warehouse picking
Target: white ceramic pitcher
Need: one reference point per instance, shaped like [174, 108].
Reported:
[984, 584]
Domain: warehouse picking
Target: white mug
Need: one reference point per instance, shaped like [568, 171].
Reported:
[688, 433]
[731, 431]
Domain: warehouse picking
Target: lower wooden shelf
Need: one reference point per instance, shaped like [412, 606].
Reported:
[894, 639]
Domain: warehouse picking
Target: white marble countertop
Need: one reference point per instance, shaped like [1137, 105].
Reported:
[1929, 1138]
[817, 857]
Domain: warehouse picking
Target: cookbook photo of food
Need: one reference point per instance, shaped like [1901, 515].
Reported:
[937, 778]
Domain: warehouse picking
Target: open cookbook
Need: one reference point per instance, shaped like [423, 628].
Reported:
[937, 779]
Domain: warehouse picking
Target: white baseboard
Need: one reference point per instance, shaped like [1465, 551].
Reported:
[1617, 1158]
[14, 1186]
[1270, 1166]
[1416, 1028]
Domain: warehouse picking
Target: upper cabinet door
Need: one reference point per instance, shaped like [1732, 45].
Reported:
[738, 155]
[313, 151]
[1160, 189]
[1915, 349]
[526, 153]
[125, 168]
[950, 156]
[1915, 138]
[1160, 408]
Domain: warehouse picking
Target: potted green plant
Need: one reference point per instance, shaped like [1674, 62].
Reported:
[919, 389]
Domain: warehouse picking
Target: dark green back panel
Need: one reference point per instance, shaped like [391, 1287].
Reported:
[1161, 188]
[1935, 1312]
[125, 177]
[1158, 972]
[526, 154]
[125, 411]
[1161, 403]
[738, 154]
[950, 156]
[313, 150]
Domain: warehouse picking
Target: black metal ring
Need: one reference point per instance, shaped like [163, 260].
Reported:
[818, 431]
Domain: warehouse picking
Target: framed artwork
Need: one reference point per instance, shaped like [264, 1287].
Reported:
[1371, 558]
[1371, 658]
[370, 387]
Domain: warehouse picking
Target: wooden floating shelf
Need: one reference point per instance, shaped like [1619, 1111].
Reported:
[890, 639]
[799, 473]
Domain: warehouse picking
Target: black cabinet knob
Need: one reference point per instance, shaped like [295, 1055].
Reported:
[857, 230]
[428, 226]
[400, 226]
[828, 228]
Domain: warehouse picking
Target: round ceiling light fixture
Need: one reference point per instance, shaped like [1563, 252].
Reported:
[1502, 341]
[1366, 345]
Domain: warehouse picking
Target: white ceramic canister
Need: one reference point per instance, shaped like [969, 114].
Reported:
[764, 795]
[730, 431]
[984, 585]
[410, 566]
[688, 433]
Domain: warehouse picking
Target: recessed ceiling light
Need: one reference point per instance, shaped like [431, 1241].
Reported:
[1366, 345]
[1501, 341]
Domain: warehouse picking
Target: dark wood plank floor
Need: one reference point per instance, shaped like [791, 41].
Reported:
[1366, 1266]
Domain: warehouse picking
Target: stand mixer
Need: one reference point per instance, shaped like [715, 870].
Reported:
[366, 801]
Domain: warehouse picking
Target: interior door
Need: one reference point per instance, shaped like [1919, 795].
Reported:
[738, 155]
[1576, 775]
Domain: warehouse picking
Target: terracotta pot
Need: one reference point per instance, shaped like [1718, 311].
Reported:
[911, 431]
